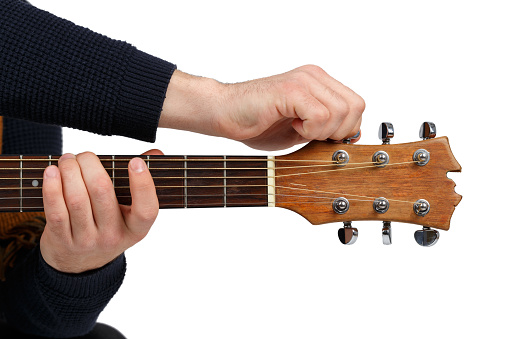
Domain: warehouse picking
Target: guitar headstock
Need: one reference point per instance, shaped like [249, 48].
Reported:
[330, 182]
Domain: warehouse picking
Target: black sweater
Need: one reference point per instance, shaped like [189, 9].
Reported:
[54, 72]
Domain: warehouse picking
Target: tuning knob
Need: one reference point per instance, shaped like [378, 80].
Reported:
[386, 132]
[426, 237]
[348, 235]
[428, 130]
[387, 233]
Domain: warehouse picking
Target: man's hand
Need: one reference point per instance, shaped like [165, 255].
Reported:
[86, 228]
[270, 113]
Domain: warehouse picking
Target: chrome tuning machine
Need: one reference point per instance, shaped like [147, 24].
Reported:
[386, 132]
[428, 130]
[387, 233]
[348, 235]
[426, 237]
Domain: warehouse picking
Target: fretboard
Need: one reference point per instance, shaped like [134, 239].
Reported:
[181, 181]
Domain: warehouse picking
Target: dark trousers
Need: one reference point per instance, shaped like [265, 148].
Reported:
[100, 331]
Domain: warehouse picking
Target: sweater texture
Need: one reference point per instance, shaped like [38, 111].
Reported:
[54, 73]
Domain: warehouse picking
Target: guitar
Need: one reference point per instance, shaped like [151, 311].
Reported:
[324, 182]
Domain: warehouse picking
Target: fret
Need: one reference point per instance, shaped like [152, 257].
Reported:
[21, 183]
[271, 185]
[117, 169]
[31, 182]
[113, 170]
[166, 174]
[181, 181]
[9, 192]
[242, 191]
[224, 181]
[185, 181]
[204, 182]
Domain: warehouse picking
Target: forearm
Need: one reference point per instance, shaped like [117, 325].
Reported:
[59, 73]
[41, 301]
[192, 103]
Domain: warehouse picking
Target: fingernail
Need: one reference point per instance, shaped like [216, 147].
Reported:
[137, 165]
[51, 172]
[67, 156]
[357, 135]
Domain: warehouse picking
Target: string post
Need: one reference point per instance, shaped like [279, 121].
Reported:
[380, 158]
[421, 157]
[421, 207]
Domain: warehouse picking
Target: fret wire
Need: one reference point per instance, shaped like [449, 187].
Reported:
[185, 181]
[224, 182]
[21, 183]
[113, 170]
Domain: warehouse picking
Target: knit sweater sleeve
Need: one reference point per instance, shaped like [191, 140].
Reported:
[42, 301]
[55, 72]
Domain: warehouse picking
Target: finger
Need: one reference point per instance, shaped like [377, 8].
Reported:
[333, 94]
[337, 106]
[311, 115]
[153, 152]
[355, 101]
[100, 192]
[145, 205]
[76, 197]
[57, 217]
[348, 128]
[356, 137]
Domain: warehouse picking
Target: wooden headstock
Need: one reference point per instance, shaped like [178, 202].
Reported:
[308, 181]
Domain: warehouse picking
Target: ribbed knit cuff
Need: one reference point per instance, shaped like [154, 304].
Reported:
[105, 280]
[141, 96]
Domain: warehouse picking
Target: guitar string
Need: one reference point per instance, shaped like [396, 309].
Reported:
[335, 194]
[330, 163]
[262, 159]
[373, 165]
[333, 163]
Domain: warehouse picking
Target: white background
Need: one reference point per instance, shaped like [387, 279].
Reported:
[268, 273]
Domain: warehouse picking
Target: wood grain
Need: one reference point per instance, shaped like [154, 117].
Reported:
[405, 183]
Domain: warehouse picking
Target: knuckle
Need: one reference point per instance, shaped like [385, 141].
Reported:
[87, 243]
[359, 106]
[85, 155]
[102, 187]
[312, 69]
[302, 77]
[111, 240]
[56, 218]
[148, 215]
[66, 166]
[76, 202]
[321, 115]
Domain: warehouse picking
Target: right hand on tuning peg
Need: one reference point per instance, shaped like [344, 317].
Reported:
[270, 113]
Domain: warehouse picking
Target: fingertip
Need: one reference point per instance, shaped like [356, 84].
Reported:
[153, 152]
[66, 156]
[51, 172]
[137, 165]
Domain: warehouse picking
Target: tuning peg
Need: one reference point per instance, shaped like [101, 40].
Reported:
[386, 132]
[348, 235]
[387, 233]
[426, 237]
[428, 130]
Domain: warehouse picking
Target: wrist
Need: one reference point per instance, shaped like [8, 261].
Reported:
[193, 104]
